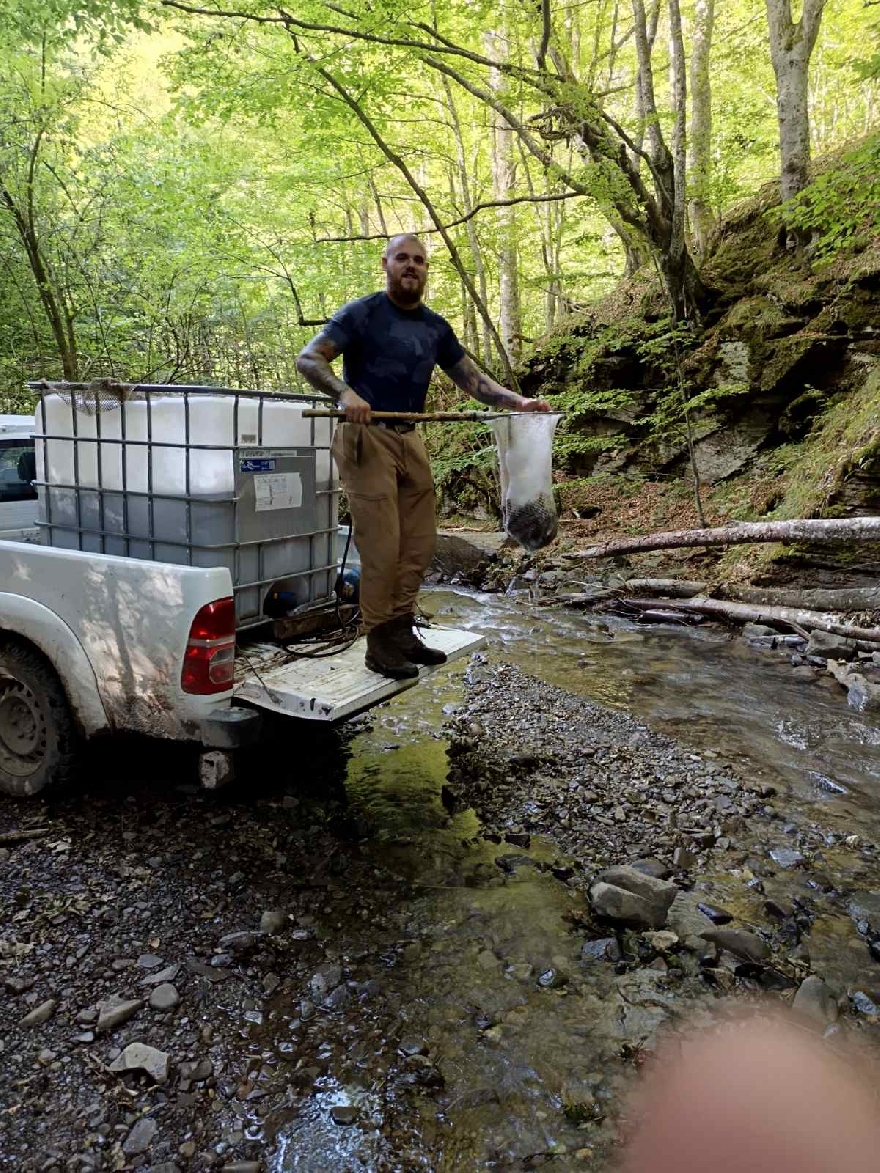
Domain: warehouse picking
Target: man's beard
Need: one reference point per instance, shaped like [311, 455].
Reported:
[409, 294]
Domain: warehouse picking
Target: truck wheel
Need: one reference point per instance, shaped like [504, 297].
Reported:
[38, 736]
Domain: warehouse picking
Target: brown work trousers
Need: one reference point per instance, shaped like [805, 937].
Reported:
[390, 488]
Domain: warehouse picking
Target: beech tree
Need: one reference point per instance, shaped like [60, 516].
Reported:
[791, 46]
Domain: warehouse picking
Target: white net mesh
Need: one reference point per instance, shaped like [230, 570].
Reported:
[525, 460]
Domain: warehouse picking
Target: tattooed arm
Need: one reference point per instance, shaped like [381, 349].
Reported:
[468, 376]
[313, 363]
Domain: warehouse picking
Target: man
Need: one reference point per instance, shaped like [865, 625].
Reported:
[390, 343]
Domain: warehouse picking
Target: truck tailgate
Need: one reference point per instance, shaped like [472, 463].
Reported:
[333, 687]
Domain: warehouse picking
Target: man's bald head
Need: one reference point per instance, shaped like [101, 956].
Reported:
[405, 238]
[406, 270]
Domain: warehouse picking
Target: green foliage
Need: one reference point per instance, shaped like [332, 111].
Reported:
[841, 207]
[844, 438]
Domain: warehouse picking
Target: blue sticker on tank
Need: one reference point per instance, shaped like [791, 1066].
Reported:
[257, 466]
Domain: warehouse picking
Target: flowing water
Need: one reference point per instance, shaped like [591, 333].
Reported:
[461, 953]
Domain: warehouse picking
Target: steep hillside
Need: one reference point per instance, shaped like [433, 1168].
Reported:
[777, 392]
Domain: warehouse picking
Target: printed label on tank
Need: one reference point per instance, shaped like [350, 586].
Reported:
[281, 490]
[257, 466]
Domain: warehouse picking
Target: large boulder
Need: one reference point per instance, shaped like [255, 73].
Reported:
[632, 898]
[465, 552]
[831, 647]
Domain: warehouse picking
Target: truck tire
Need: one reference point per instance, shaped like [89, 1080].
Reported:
[38, 735]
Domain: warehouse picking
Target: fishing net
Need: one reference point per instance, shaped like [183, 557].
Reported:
[525, 460]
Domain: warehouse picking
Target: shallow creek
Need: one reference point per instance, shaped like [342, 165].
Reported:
[516, 1072]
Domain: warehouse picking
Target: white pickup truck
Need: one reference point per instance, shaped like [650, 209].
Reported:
[91, 644]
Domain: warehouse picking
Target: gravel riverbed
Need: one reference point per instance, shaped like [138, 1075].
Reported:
[337, 964]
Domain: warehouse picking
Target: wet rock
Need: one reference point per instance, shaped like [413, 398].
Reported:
[741, 943]
[786, 857]
[149, 961]
[663, 941]
[140, 1057]
[632, 898]
[605, 949]
[168, 974]
[510, 863]
[273, 921]
[325, 979]
[864, 1004]
[141, 1137]
[412, 1046]
[552, 979]
[164, 997]
[518, 838]
[830, 647]
[213, 973]
[580, 1104]
[718, 916]
[626, 908]
[240, 944]
[344, 1114]
[114, 1012]
[758, 635]
[683, 859]
[815, 1001]
[805, 673]
[781, 909]
[652, 867]
[40, 1014]
[197, 1072]
[862, 695]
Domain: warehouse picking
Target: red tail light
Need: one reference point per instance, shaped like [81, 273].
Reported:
[209, 660]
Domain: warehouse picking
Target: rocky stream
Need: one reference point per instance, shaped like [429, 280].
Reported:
[447, 936]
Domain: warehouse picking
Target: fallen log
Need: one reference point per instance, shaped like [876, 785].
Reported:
[675, 588]
[814, 599]
[850, 529]
[10, 837]
[745, 613]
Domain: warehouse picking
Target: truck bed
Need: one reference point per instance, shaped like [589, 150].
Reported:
[334, 687]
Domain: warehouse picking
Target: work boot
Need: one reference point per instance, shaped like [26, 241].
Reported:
[384, 655]
[409, 643]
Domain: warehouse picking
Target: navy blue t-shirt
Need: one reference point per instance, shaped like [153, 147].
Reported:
[388, 353]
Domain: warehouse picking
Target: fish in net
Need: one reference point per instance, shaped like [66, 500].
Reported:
[525, 460]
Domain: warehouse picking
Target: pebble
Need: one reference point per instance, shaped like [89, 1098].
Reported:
[164, 997]
[149, 960]
[718, 916]
[273, 921]
[40, 1014]
[140, 1057]
[864, 1004]
[168, 974]
[114, 1013]
[605, 949]
[815, 1001]
[344, 1114]
[552, 979]
[141, 1137]
[786, 857]
[739, 942]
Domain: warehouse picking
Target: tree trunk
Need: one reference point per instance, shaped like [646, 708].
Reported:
[791, 45]
[850, 529]
[817, 599]
[503, 170]
[468, 207]
[700, 146]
